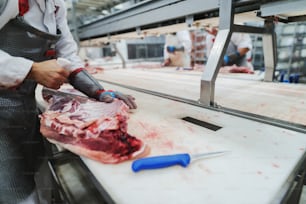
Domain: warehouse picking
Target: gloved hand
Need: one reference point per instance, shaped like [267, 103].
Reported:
[231, 59]
[172, 49]
[108, 97]
[81, 80]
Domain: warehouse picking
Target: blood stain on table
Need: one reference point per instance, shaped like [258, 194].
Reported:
[275, 165]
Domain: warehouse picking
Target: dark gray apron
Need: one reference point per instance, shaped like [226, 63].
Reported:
[21, 145]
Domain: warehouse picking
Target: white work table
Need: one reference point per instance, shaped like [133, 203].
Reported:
[259, 169]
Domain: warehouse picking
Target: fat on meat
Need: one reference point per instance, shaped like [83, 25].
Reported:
[91, 129]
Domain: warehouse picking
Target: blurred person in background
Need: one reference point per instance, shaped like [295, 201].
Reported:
[238, 51]
[177, 50]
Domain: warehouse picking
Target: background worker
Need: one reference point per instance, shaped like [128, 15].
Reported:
[238, 50]
[177, 49]
[34, 33]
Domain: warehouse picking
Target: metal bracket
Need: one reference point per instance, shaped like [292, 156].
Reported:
[226, 28]
[218, 50]
[269, 50]
[189, 20]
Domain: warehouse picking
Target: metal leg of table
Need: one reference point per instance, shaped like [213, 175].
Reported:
[218, 50]
[269, 50]
[294, 194]
[212, 67]
[226, 26]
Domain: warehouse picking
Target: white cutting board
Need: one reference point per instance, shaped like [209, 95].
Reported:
[258, 169]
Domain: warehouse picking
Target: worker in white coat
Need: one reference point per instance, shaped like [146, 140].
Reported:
[238, 50]
[33, 34]
[177, 49]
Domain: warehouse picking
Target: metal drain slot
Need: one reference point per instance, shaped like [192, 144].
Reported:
[202, 123]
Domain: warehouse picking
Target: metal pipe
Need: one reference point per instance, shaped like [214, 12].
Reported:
[269, 50]
[214, 62]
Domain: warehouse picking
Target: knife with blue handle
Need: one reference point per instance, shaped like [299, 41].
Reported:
[157, 162]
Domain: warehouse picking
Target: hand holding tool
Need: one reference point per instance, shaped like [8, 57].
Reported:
[170, 160]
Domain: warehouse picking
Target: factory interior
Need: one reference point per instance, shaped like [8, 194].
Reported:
[222, 81]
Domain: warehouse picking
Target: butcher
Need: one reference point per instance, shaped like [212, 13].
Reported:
[34, 33]
[238, 51]
[177, 49]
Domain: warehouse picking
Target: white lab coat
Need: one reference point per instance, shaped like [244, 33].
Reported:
[46, 16]
[182, 38]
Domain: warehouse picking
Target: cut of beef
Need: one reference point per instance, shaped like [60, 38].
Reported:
[92, 129]
[236, 69]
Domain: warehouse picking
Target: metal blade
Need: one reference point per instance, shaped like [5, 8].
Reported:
[48, 91]
[207, 155]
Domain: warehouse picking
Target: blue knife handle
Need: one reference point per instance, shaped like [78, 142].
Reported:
[161, 162]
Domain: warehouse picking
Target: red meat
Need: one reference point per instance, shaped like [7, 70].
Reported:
[92, 129]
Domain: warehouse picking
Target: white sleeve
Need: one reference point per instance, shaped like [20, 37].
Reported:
[11, 11]
[168, 41]
[66, 47]
[13, 69]
[185, 40]
[242, 40]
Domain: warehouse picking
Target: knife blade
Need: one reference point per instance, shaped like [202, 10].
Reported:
[47, 91]
[164, 161]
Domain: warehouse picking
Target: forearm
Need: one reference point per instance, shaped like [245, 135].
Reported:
[81, 80]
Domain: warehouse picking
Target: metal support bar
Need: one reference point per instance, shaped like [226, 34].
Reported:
[143, 14]
[226, 28]
[119, 54]
[248, 29]
[269, 45]
[296, 19]
[269, 50]
[189, 20]
[213, 65]
[280, 7]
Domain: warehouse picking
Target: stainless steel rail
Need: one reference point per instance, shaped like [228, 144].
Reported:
[158, 13]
